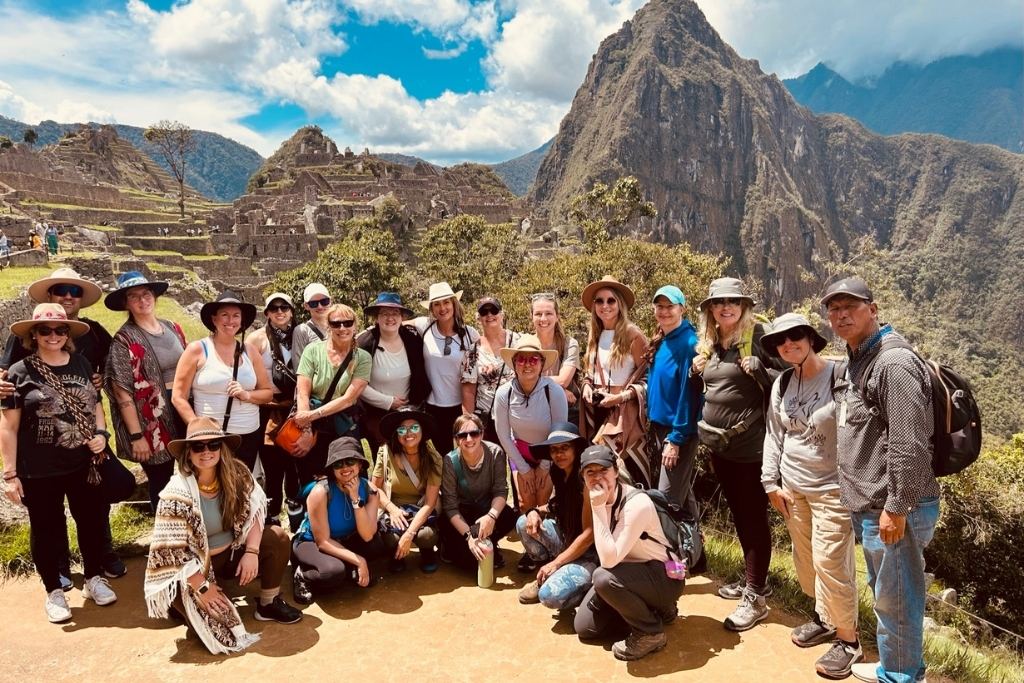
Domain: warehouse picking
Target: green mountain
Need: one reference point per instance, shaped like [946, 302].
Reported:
[520, 172]
[977, 99]
[219, 168]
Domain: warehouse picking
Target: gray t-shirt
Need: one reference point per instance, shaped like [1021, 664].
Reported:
[800, 443]
[168, 350]
[482, 485]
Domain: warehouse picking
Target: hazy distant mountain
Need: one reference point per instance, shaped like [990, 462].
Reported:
[219, 168]
[519, 173]
[404, 159]
[978, 99]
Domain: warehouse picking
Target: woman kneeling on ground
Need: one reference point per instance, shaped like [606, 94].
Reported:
[632, 590]
[474, 490]
[559, 535]
[407, 470]
[209, 526]
[339, 535]
[800, 476]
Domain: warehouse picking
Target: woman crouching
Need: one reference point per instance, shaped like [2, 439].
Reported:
[209, 527]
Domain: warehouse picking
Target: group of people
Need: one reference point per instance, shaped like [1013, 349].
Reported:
[473, 432]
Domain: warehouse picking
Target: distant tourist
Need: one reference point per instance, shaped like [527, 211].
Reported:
[35, 241]
[52, 240]
[5, 247]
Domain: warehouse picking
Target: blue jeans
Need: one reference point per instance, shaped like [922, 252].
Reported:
[550, 543]
[896, 577]
[570, 582]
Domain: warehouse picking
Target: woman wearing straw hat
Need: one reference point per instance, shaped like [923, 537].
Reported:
[209, 528]
[614, 392]
[800, 476]
[139, 377]
[52, 427]
[221, 378]
[737, 374]
[524, 410]
[398, 376]
[446, 341]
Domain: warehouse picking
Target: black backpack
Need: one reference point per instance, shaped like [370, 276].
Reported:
[957, 437]
[683, 534]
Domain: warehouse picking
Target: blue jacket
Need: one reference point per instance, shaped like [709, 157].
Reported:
[672, 398]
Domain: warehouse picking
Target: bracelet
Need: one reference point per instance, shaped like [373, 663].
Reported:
[490, 513]
[254, 551]
[8, 476]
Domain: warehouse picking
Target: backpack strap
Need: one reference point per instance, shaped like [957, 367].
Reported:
[316, 330]
[883, 345]
[460, 473]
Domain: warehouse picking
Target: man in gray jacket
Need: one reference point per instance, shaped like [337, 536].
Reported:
[884, 425]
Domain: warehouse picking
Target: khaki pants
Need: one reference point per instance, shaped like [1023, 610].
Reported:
[823, 553]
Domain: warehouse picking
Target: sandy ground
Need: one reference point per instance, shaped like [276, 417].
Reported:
[407, 627]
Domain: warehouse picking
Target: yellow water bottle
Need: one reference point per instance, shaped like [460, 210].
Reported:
[485, 567]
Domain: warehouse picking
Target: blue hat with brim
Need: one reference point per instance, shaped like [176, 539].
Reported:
[561, 432]
[672, 293]
[117, 299]
[388, 300]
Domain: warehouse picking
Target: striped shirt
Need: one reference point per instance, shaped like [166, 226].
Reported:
[884, 443]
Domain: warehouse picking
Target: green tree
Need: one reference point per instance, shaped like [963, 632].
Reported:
[606, 212]
[6, 142]
[175, 142]
[30, 136]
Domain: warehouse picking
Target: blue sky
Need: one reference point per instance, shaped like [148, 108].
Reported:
[448, 80]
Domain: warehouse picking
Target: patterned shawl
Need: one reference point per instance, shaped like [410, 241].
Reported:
[132, 365]
[179, 549]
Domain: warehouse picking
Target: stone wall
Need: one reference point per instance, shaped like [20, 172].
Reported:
[184, 245]
[98, 216]
[30, 184]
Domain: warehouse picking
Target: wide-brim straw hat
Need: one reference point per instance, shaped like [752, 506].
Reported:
[726, 288]
[771, 340]
[227, 298]
[438, 292]
[388, 300]
[49, 313]
[203, 429]
[607, 282]
[529, 343]
[117, 299]
[39, 291]
[390, 422]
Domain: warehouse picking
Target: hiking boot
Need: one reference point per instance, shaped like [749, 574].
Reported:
[530, 594]
[278, 610]
[812, 633]
[300, 588]
[428, 561]
[734, 590]
[113, 567]
[751, 610]
[638, 644]
[527, 564]
[56, 606]
[98, 590]
[65, 583]
[670, 616]
[837, 662]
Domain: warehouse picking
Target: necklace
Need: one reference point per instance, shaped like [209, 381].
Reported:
[210, 488]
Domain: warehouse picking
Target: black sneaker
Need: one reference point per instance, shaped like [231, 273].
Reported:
[428, 561]
[279, 611]
[527, 564]
[300, 589]
[113, 568]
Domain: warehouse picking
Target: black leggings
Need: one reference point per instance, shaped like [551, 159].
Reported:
[444, 420]
[157, 476]
[455, 546]
[250, 448]
[325, 571]
[741, 484]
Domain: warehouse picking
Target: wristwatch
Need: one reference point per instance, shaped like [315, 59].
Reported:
[358, 503]
[203, 587]
[468, 535]
[135, 436]
[104, 432]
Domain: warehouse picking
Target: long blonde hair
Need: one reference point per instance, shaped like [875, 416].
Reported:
[558, 332]
[621, 337]
[235, 481]
[710, 335]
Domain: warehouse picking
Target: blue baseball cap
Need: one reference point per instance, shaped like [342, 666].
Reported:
[672, 293]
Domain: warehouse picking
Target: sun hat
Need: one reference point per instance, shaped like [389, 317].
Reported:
[438, 292]
[672, 293]
[529, 343]
[488, 301]
[227, 298]
[788, 321]
[597, 455]
[49, 313]
[388, 300]
[848, 286]
[115, 301]
[726, 288]
[590, 291]
[202, 429]
[344, 447]
[277, 295]
[312, 289]
[390, 422]
[40, 289]
[561, 432]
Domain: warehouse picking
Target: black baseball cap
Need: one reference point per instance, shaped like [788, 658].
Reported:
[849, 286]
[597, 455]
[487, 301]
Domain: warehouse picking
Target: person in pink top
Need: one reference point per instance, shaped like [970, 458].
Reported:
[632, 591]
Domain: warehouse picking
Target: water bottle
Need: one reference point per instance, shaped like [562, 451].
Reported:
[296, 513]
[485, 567]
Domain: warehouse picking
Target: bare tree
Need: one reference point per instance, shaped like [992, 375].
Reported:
[175, 141]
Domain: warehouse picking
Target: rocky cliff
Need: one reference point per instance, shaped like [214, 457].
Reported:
[734, 164]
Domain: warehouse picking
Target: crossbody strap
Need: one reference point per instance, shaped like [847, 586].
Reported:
[337, 376]
[234, 376]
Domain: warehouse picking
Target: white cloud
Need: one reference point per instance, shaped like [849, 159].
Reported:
[450, 53]
[446, 18]
[13, 105]
[861, 37]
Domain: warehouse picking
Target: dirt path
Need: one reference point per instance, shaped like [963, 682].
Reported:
[409, 627]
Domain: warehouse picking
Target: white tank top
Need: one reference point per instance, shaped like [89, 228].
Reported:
[209, 391]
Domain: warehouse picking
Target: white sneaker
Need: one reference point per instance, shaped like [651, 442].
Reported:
[57, 609]
[865, 671]
[98, 590]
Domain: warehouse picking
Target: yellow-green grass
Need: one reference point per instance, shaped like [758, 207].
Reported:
[102, 228]
[17, 278]
[155, 252]
[50, 205]
[203, 257]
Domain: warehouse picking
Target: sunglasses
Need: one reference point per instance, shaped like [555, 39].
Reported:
[471, 434]
[448, 345]
[337, 324]
[527, 360]
[64, 290]
[319, 302]
[793, 335]
[488, 310]
[601, 302]
[278, 309]
[411, 429]
[346, 462]
[60, 331]
[543, 296]
[727, 302]
[200, 446]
